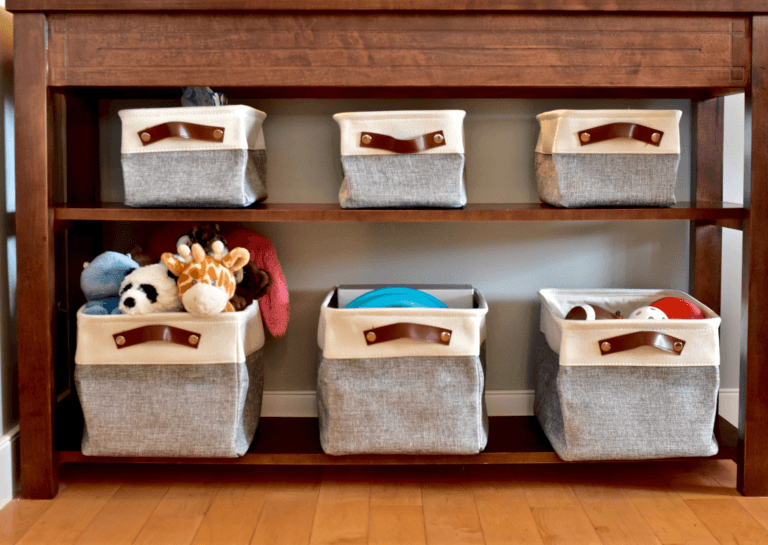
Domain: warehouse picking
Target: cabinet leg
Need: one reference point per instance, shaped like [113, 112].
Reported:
[753, 395]
[35, 287]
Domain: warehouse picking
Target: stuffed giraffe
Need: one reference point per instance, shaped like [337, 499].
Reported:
[206, 283]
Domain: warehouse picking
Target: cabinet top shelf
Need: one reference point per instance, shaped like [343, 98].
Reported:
[713, 6]
[724, 214]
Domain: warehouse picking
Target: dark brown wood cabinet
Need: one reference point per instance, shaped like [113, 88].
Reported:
[71, 54]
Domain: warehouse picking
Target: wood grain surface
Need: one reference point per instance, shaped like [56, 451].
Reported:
[727, 6]
[753, 469]
[398, 50]
[36, 286]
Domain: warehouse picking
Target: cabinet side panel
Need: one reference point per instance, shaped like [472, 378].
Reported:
[753, 420]
[398, 50]
[39, 475]
[706, 239]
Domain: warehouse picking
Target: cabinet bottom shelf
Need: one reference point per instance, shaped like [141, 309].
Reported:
[296, 441]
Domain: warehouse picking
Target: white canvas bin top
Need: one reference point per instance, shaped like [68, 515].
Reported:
[227, 337]
[560, 131]
[341, 331]
[403, 125]
[578, 341]
[241, 124]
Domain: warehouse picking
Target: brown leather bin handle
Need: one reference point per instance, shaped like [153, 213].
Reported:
[407, 330]
[634, 131]
[180, 129]
[388, 143]
[662, 341]
[162, 333]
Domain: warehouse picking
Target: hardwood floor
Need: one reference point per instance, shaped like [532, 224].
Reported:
[660, 503]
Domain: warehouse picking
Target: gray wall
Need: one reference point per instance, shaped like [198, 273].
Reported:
[508, 262]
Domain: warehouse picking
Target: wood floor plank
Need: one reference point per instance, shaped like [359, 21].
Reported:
[71, 513]
[234, 514]
[18, 516]
[180, 513]
[289, 508]
[757, 507]
[343, 505]
[564, 526]
[672, 521]
[450, 513]
[614, 516]
[729, 522]
[396, 514]
[504, 513]
[124, 515]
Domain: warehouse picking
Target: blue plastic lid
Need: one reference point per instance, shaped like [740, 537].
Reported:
[396, 296]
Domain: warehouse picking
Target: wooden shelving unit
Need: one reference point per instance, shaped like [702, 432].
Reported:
[69, 55]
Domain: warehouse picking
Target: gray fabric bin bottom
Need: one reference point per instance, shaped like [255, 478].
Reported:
[626, 413]
[403, 181]
[227, 178]
[576, 180]
[410, 405]
[197, 410]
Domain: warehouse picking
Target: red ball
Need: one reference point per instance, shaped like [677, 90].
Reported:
[676, 308]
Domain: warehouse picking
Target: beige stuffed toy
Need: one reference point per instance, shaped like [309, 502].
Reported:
[206, 283]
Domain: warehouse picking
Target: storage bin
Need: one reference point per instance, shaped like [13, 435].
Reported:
[402, 380]
[402, 159]
[170, 384]
[206, 156]
[619, 403]
[608, 157]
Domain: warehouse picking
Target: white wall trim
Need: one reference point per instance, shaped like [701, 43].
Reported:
[9, 459]
[729, 405]
[304, 403]
[499, 403]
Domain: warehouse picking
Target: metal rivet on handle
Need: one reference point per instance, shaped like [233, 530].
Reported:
[366, 139]
[585, 137]
[120, 340]
[146, 137]
[445, 336]
[678, 346]
[605, 347]
[193, 340]
[438, 138]
[218, 134]
[656, 137]
[370, 336]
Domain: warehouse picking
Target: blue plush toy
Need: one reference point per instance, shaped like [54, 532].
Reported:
[100, 282]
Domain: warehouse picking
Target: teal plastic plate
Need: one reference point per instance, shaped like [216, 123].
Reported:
[395, 296]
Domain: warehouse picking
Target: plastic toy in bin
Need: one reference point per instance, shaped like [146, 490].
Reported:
[672, 308]
[396, 296]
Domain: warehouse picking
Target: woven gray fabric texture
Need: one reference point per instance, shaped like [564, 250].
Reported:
[404, 405]
[170, 410]
[572, 180]
[625, 413]
[195, 178]
[403, 181]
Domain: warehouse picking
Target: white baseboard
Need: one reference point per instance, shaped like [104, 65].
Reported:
[9, 461]
[499, 403]
[304, 404]
[729, 405]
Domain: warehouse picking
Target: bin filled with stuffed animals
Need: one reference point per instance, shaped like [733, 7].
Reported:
[627, 374]
[197, 156]
[402, 370]
[178, 373]
[608, 157]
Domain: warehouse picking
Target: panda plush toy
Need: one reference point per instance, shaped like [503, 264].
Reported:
[149, 289]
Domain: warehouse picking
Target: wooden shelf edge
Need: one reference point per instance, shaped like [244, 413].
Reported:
[726, 214]
[295, 441]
